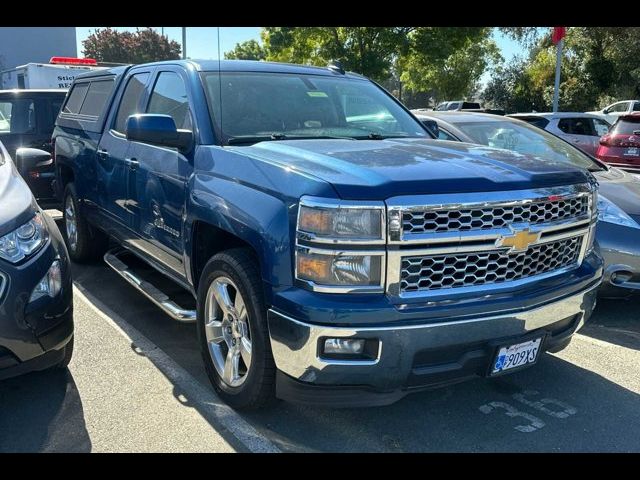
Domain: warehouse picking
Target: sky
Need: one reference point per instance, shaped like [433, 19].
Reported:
[202, 42]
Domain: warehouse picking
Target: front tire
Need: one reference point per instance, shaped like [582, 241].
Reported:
[84, 243]
[233, 332]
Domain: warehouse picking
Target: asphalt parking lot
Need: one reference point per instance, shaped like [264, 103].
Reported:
[136, 384]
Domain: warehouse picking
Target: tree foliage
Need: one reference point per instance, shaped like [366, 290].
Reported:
[249, 50]
[141, 46]
[599, 66]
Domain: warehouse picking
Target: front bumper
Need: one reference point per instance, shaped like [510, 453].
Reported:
[33, 335]
[411, 357]
[620, 248]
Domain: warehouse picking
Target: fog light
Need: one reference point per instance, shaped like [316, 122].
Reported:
[50, 285]
[343, 346]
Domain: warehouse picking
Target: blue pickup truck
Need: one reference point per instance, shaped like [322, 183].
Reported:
[333, 252]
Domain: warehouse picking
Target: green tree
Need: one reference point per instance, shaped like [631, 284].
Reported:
[370, 51]
[249, 50]
[141, 46]
[447, 61]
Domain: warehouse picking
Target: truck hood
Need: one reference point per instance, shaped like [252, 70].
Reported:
[16, 201]
[376, 169]
[622, 188]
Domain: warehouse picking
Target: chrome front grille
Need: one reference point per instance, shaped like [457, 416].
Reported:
[449, 244]
[465, 219]
[432, 272]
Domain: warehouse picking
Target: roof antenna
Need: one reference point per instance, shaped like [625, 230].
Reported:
[336, 66]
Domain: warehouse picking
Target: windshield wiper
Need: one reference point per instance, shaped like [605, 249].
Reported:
[280, 136]
[377, 136]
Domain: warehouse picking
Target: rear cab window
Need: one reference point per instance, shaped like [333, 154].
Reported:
[87, 104]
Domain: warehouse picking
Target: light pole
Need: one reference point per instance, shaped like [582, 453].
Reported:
[184, 43]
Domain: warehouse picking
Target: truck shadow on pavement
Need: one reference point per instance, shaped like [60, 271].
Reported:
[553, 406]
[42, 412]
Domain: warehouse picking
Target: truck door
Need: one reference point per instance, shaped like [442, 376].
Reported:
[157, 183]
[112, 161]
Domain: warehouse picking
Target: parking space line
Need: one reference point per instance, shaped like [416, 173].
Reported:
[205, 397]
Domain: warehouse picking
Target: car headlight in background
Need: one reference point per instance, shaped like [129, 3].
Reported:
[611, 213]
[24, 240]
[353, 226]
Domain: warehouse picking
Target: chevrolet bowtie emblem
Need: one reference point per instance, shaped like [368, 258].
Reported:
[520, 240]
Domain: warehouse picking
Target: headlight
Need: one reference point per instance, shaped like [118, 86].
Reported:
[611, 213]
[353, 226]
[339, 270]
[335, 221]
[24, 240]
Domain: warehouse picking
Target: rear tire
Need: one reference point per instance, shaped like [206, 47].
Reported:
[84, 243]
[237, 334]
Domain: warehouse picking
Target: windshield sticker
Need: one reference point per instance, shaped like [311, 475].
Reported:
[317, 94]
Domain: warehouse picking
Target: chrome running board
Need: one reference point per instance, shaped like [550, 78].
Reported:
[147, 289]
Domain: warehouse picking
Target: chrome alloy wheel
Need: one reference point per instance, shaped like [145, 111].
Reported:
[227, 331]
[70, 224]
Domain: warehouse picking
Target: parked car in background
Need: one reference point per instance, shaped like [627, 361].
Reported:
[621, 146]
[613, 111]
[618, 231]
[36, 297]
[338, 253]
[26, 120]
[581, 129]
[457, 105]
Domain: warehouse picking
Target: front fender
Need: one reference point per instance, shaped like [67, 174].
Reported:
[259, 219]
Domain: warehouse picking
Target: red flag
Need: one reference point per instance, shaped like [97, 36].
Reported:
[558, 34]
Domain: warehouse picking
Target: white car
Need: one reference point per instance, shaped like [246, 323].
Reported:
[580, 129]
[613, 111]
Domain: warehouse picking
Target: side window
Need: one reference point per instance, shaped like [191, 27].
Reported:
[96, 98]
[600, 127]
[76, 97]
[576, 126]
[619, 107]
[443, 135]
[17, 116]
[169, 97]
[129, 104]
[636, 107]
[452, 106]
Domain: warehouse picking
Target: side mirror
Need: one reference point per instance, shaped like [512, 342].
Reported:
[32, 160]
[432, 126]
[606, 111]
[158, 130]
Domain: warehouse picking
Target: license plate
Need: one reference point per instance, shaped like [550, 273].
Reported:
[516, 355]
[631, 152]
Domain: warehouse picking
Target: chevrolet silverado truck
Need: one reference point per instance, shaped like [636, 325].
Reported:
[328, 248]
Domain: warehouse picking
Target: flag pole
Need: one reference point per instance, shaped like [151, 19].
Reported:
[557, 84]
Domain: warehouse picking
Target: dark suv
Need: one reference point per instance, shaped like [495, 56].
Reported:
[26, 120]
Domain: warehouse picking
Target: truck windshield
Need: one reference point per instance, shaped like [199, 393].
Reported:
[250, 107]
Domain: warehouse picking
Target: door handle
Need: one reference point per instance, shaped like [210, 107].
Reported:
[102, 153]
[132, 163]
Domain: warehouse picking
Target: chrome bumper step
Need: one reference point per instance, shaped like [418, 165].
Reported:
[149, 290]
